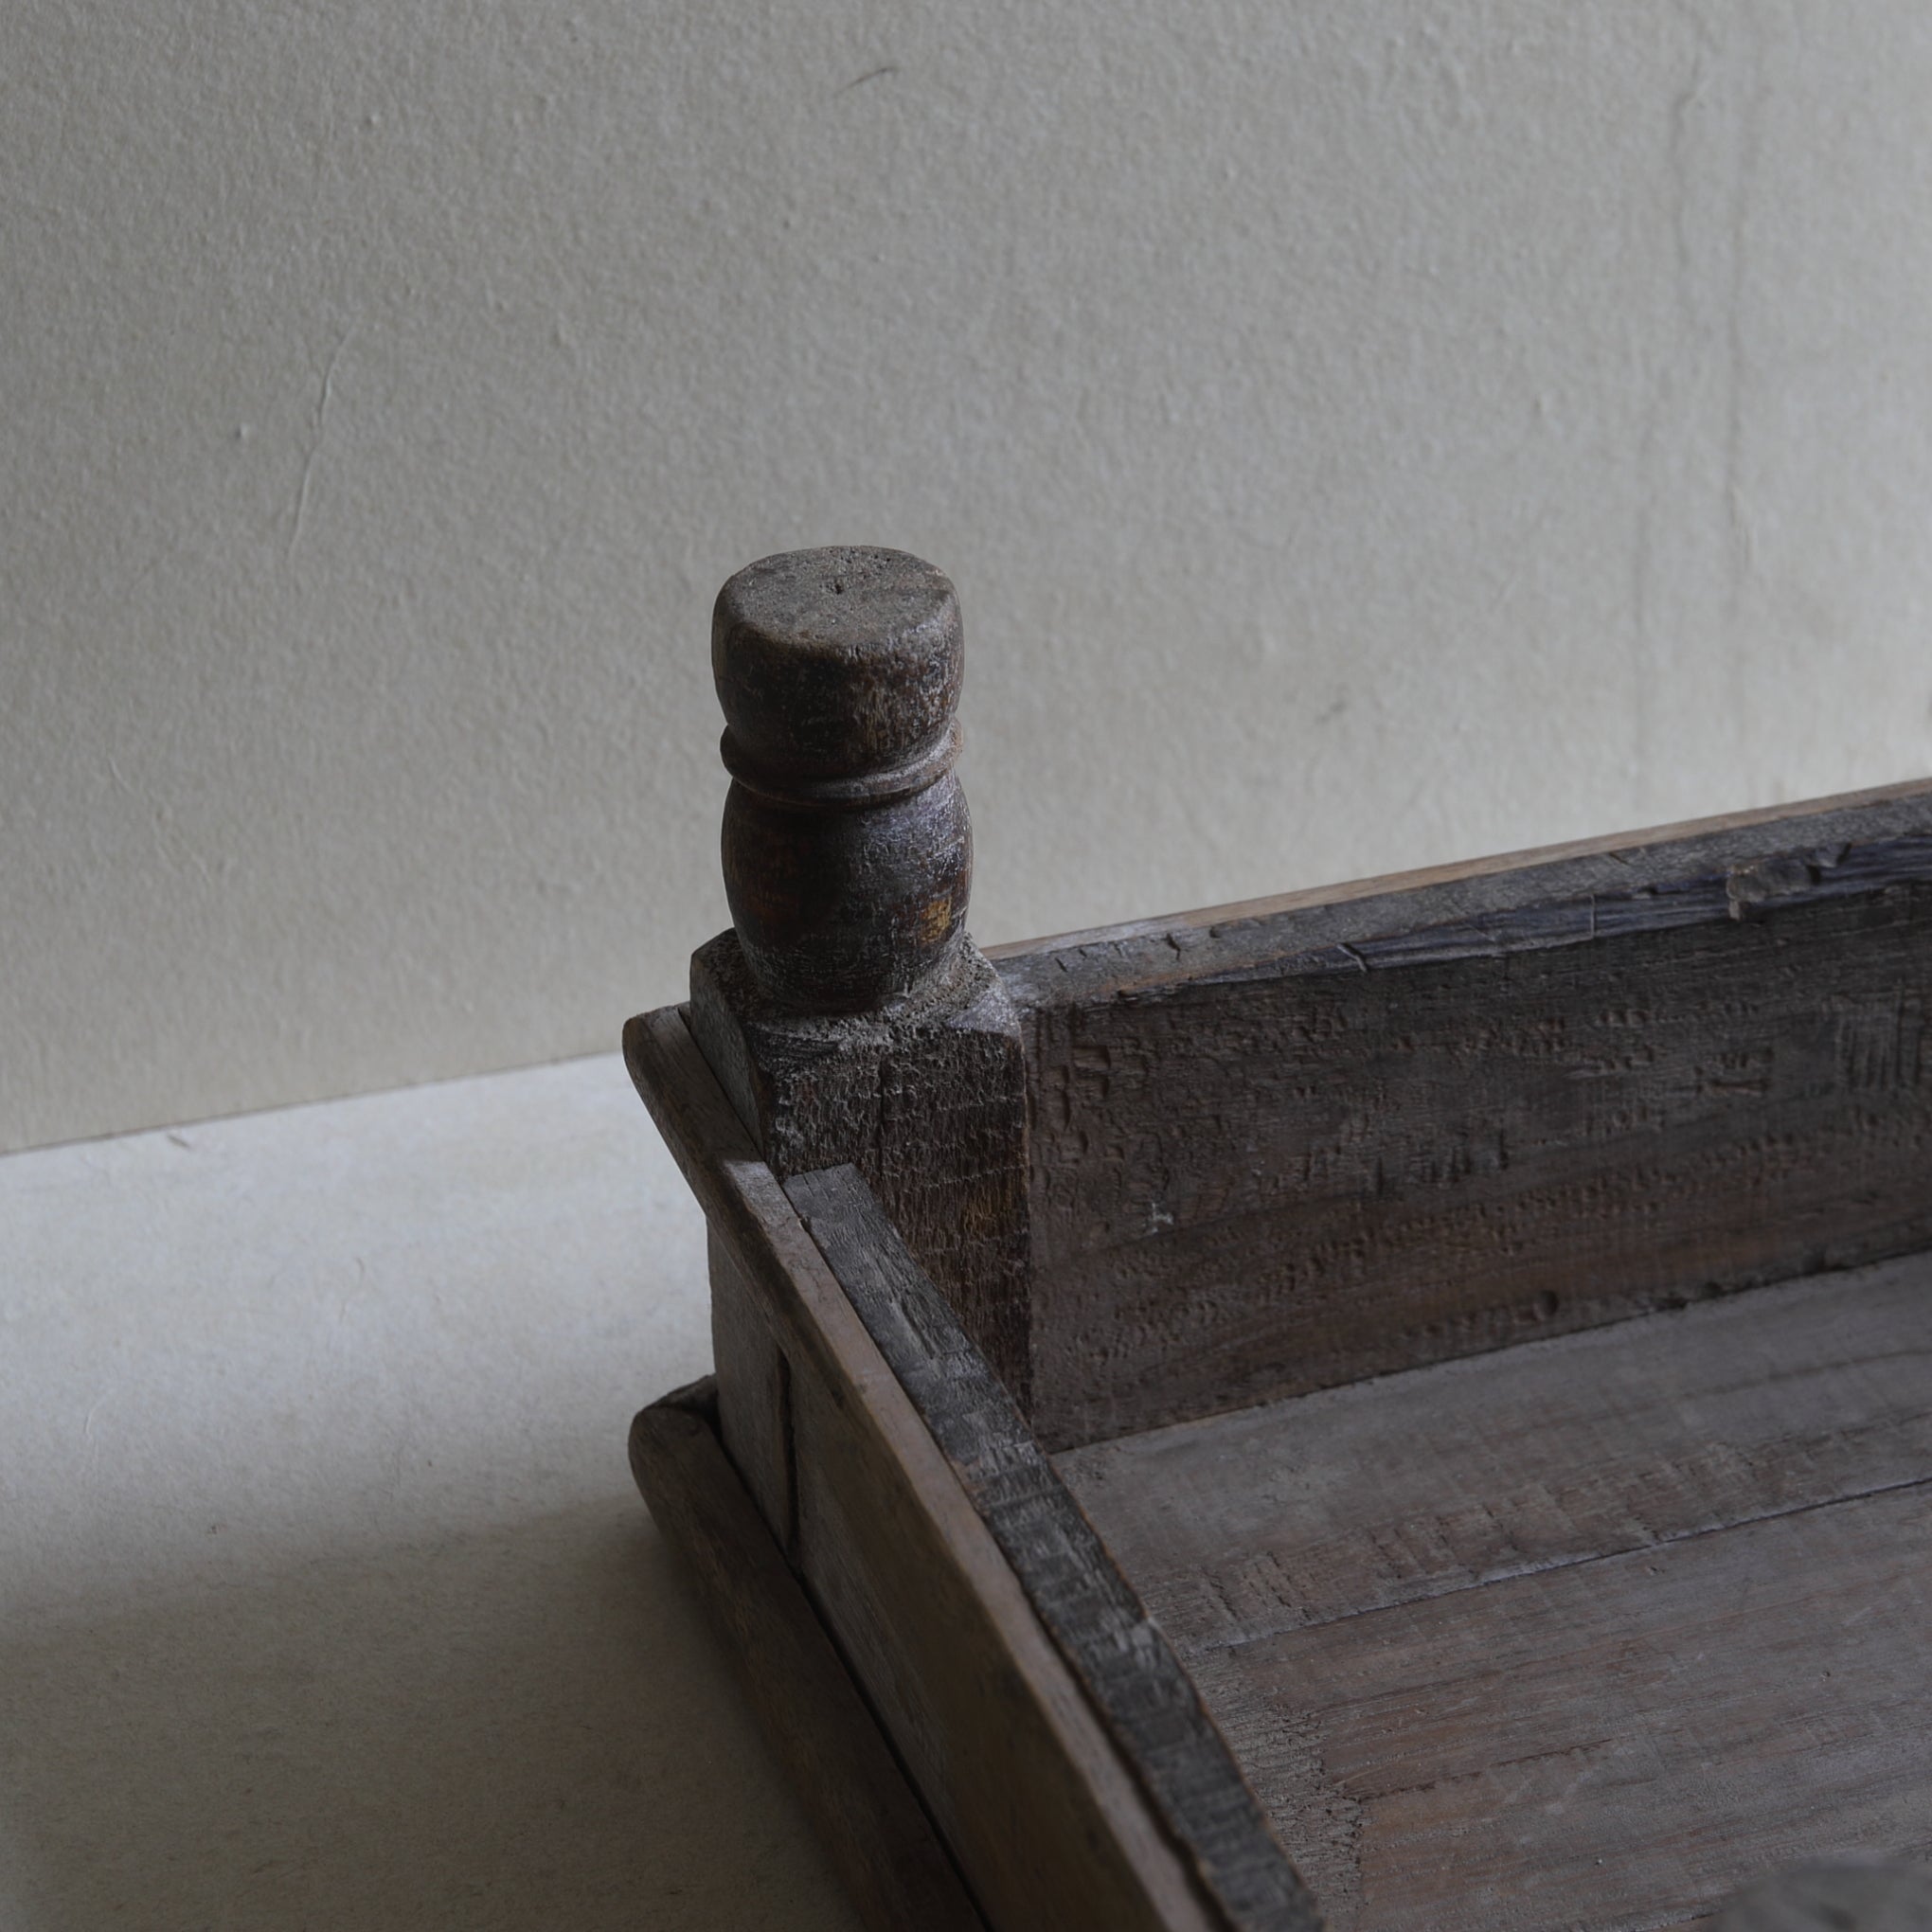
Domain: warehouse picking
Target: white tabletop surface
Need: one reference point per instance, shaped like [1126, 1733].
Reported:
[326, 1599]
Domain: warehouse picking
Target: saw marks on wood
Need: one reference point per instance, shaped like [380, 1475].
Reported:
[1583, 1634]
[1378, 1152]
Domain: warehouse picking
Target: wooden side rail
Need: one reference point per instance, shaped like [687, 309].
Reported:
[1046, 1821]
[1297, 1143]
[1124, 1663]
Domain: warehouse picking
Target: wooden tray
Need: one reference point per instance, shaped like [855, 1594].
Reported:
[1251, 1418]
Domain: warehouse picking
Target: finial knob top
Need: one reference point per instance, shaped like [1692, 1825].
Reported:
[848, 853]
[838, 670]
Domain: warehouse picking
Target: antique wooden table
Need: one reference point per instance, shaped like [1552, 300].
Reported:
[1254, 1419]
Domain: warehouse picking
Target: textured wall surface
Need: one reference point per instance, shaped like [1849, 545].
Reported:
[1363, 433]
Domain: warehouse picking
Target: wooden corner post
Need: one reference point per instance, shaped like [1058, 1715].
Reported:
[847, 1013]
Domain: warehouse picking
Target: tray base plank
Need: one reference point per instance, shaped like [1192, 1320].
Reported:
[1584, 1634]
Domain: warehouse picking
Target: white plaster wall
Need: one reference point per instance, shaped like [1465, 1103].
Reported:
[1363, 432]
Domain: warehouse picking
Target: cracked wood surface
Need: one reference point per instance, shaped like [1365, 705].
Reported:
[1338, 1135]
[1586, 1634]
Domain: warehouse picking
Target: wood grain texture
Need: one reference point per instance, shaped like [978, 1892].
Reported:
[1343, 1139]
[1583, 1634]
[1624, 1438]
[1076, 968]
[1121, 1659]
[886, 1849]
[1607, 1746]
[1045, 1818]
[927, 1099]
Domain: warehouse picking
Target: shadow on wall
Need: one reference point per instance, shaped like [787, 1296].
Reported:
[526, 1727]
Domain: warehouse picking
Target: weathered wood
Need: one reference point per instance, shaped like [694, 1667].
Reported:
[848, 1014]
[851, 1787]
[1584, 1634]
[1340, 1139]
[1834, 1897]
[1100, 963]
[848, 852]
[1034, 1801]
[1122, 1660]
[1583, 1637]
[1609, 1746]
[1621, 1439]
[927, 1099]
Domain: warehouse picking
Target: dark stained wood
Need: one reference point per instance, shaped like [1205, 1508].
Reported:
[848, 852]
[1034, 1799]
[1584, 1634]
[1122, 1660]
[1345, 1138]
[883, 1844]
[927, 1099]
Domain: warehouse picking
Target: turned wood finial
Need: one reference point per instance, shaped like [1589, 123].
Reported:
[848, 853]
